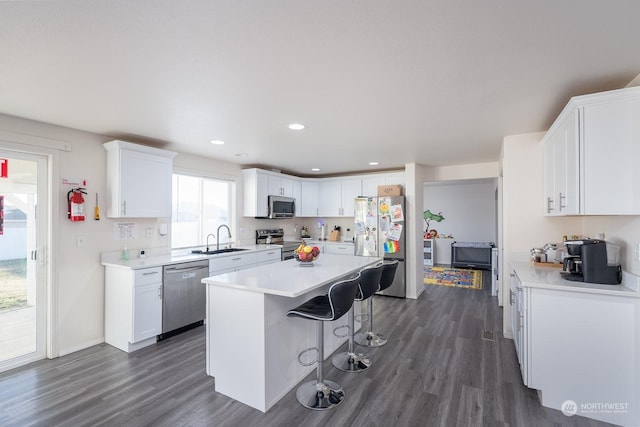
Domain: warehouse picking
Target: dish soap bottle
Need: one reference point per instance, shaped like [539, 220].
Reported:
[125, 254]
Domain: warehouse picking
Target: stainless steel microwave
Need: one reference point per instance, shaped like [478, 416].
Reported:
[282, 207]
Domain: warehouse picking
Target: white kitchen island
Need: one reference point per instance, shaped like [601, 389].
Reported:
[252, 346]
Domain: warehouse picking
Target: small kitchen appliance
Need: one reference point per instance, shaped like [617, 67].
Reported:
[590, 262]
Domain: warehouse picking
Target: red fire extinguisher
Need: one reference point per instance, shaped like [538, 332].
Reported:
[76, 204]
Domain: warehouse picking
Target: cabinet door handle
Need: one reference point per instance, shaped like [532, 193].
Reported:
[549, 202]
[561, 205]
[124, 207]
[160, 292]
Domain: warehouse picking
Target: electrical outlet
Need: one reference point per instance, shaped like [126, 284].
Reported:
[149, 233]
[80, 241]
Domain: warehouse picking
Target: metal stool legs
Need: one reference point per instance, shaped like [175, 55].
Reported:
[368, 338]
[350, 361]
[320, 394]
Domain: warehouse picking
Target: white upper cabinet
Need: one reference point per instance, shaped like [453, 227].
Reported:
[370, 183]
[138, 181]
[309, 198]
[315, 197]
[561, 168]
[591, 152]
[351, 188]
[337, 196]
[258, 184]
[283, 185]
[255, 187]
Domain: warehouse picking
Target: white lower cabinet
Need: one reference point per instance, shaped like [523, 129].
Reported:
[330, 247]
[147, 311]
[133, 307]
[240, 261]
[268, 257]
[339, 248]
[578, 342]
[519, 326]
[133, 298]
[227, 264]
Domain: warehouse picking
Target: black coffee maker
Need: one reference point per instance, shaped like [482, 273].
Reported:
[587, 262]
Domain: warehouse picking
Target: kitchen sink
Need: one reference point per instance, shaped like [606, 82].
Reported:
[217, 251]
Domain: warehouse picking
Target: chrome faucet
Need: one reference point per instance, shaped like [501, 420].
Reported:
[218, 235]
[209, 235]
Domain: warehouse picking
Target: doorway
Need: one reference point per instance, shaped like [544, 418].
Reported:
[23, 278]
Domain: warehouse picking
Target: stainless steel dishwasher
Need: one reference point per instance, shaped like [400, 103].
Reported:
[183, 298]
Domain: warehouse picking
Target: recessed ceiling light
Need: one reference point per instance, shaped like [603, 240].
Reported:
[373, 163]
[296, 126]
[217, 142]
[241, 154]
[315, 169]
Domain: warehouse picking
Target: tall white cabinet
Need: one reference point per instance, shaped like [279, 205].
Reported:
[138, 181]
[591, 154]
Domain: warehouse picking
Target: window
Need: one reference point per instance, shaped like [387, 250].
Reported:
[199, 206]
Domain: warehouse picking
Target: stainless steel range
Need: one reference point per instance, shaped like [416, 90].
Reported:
[275, 236]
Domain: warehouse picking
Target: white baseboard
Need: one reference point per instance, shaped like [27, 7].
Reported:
[69, 350]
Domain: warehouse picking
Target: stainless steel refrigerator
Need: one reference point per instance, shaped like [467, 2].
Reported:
[380, 231]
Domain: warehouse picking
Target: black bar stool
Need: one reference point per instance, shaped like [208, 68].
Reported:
[324, 394]
[369, 338]
[351, 361]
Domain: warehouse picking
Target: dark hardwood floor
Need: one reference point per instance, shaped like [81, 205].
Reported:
[436, 370]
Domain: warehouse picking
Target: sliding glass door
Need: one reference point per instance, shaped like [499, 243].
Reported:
[23, 229]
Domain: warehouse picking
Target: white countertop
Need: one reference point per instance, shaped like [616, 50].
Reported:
[112, 259]
[549, 278]
[288, 278]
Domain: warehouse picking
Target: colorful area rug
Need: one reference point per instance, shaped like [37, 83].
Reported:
[458, 277]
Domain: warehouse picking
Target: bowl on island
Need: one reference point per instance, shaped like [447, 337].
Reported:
[305, 254]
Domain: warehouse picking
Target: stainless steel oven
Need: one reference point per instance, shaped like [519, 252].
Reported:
[275, 236]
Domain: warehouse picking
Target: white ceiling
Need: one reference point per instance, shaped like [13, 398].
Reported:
[435, 82]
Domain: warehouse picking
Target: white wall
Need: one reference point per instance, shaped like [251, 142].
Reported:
[468, 208]
[621, 230]
[78, 280]
[524, 225]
